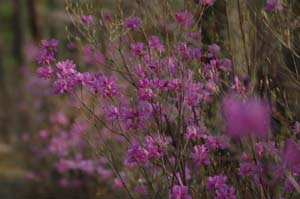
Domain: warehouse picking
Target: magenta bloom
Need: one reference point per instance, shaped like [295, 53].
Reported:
[200, 155]
[225, 193]
[105, 17]
[194, 132]
[291, 154]
[47, 51]
[194, 36]
[65, 68]
[87, 19]
[137, 48]
[137, 154]
[133, 22]
[245, 117]
[272, 5]
[184, 18]
[156, 145]
[155, 43]
[216, 182]
[180, 192]
[207, 2]
[249, 169]
[214, 50]
[45, 72]
[50, 45]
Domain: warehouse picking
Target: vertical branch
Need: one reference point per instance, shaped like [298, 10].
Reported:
[241, 20]
[18, 37]
[237, 29]
[33, 20]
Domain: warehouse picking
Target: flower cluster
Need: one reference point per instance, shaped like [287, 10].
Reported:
[172, 114]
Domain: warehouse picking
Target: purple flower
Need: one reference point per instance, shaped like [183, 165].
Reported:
[45, 72]
[249, 169]
[184, 18]
[213, 50]
[47, 51]
[180, 192]
[87, 19]
[65, 68]
[216, 182]
[156, 145]
[194, 132]
[133, 22]
[259, 148]
[216, 142]
[50, 45]
[154, 43]
[194, 36]
[137, 154]
[188, 52]
[226, 64]
[63, 85]
[98, 83]
[146, 94]
[238, 86]
[273, 5]
[225, 193]
[105, 17]
[244, 117]
[200, 155]
[118, 183]
[291, 154]
[137, 48]
[44, 134]
[207, 2]
[99, 57]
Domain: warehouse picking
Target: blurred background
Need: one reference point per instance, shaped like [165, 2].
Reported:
[23, 24]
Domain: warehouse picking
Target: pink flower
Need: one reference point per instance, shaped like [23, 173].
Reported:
[194, 36]
[194, 132]
[137, 154]
[213, 50]
[87, 19]
[259, 148]
[249, 169]
[44, 134]
[105, 16]
[238, 86]
[156, 145]
[47, 51]
[200, 155]
[273, 5]
[244, 117]
[180, 192]
[184, 18]
[65, 68]
[216, 142]
[99, 57]
[155, 43]
[291, 154]
[146, 94]
[133, 22]
[137, 48]
[216, 182]
[118, 183]
[207, 2]
[45, 72]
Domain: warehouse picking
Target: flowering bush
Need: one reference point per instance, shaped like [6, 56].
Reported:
[175, 119]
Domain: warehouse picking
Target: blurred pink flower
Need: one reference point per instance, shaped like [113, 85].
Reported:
[245, 117]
